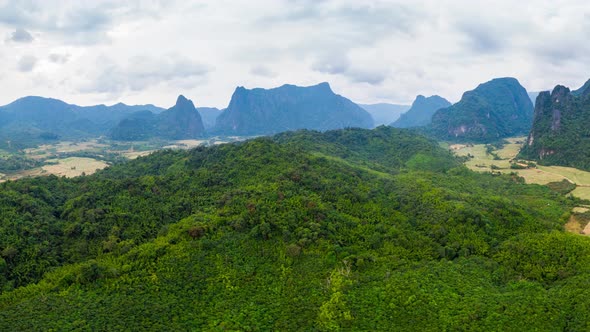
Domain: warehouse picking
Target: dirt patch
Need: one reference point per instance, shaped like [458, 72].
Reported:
[573, 225]
[71, 167]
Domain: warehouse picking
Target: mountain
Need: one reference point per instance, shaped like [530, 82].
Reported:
[494, 110]
[209, 116]
[182, 121]
[289, 107]
[139, 126]
[384, 113]
[560, 134]
[29, 117]
[582, 90]
[533, 96]
[350, 230]
[420, 114]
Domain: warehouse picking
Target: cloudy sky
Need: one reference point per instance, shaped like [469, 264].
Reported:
[137, 52]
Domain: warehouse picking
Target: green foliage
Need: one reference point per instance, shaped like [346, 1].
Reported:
[15, 163]
[563, 187]
[345, 230]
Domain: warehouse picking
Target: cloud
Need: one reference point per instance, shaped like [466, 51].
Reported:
[367, 75]
[21, 36]
[482, 38]
[26, 63]
[58, 58]
[78, 22]
[331, 64]
[263, 71]
[369, 51]
[142, 72]
[341, 65]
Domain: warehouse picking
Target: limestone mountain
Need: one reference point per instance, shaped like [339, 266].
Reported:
[420, 114]
[384, 113]
[289, 107]
[494, 110]
[560, 134]
[182, 121]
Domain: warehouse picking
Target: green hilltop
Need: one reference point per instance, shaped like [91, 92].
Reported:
[344, 230]
[494, 110]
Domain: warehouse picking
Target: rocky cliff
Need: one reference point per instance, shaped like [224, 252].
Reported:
[289, 107]
[560, 134]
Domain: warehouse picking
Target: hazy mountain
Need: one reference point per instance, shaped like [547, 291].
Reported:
[560, 135]
[289, 107]
[182, 121]
[209, 116]
[383, 113]
[496, 109]
[420, 114]
[533, 96]
[31, 116]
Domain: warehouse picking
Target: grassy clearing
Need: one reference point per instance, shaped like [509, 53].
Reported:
[74, 166]
[44, 151]
[481, 161]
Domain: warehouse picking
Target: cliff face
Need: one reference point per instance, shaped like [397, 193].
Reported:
[182, 121]
[560, 134]
[289, 107]
[421, 112]
[494, 110]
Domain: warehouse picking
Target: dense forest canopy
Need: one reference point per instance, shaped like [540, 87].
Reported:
[345, 230]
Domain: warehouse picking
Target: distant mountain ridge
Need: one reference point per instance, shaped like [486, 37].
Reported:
[384, 113]
[289, 107]
[182, 121]
[494, 110]
[560, 133]
[32, 116]
[421, 112]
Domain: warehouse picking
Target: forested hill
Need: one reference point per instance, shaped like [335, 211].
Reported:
[344, 230]
[494, 110]
[560, 134]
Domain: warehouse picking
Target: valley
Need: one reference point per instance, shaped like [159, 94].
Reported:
[484, 159]
[294, 165]
[85, 157]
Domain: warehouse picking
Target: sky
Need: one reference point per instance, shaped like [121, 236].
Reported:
[140, 52]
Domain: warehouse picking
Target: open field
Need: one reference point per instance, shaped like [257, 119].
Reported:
[71, 159]
[74, 166]
[68, 167]
[482, 161]
[47, 150]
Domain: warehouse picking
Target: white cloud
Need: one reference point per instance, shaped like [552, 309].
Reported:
[26, 63]
[21, 36]
[370, 51]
